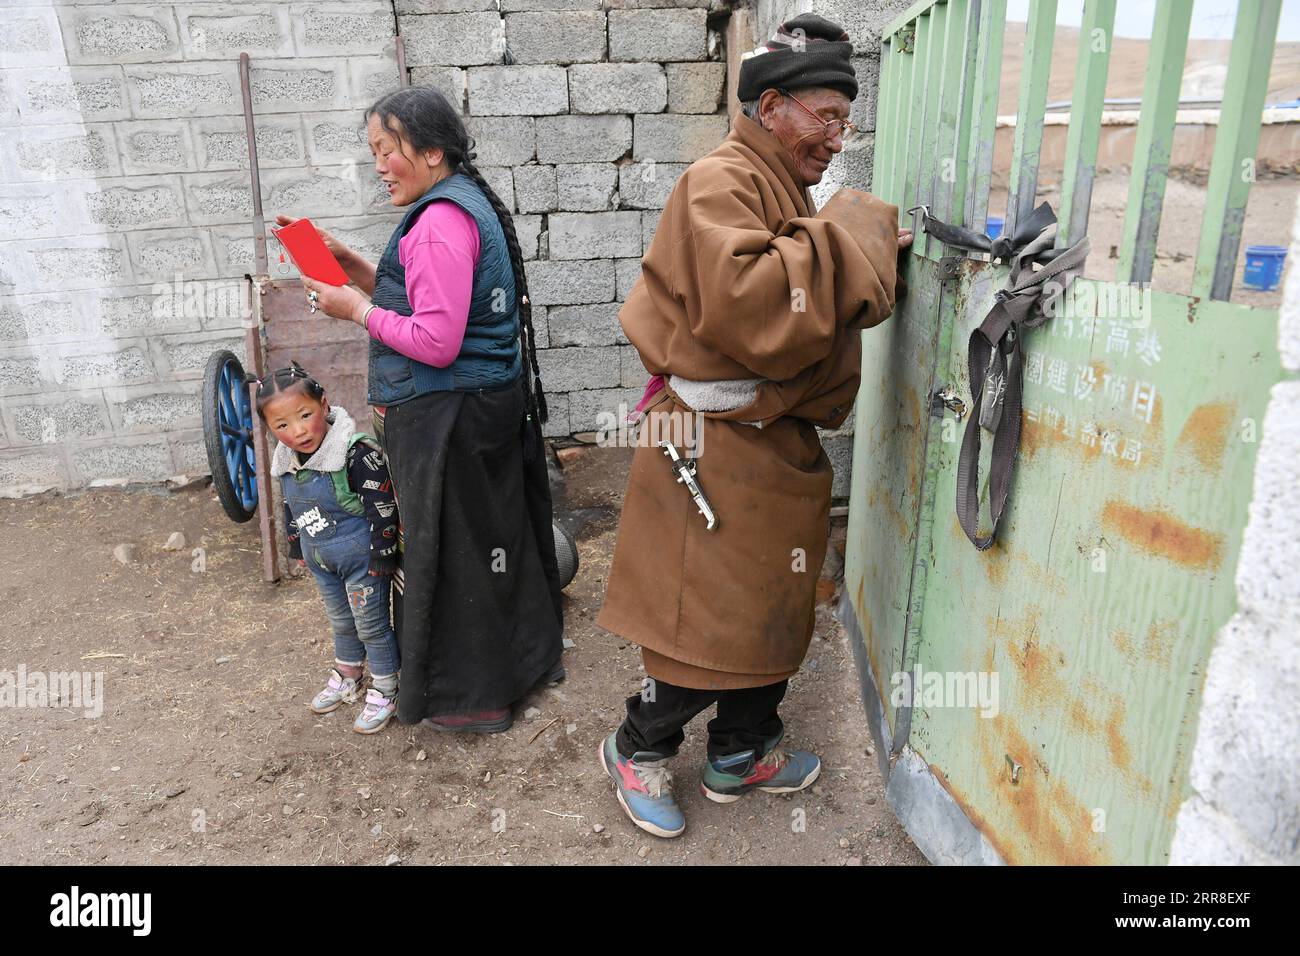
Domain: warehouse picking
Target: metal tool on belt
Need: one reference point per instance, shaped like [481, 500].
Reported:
[685, 469]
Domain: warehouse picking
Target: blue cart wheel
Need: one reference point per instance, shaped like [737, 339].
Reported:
[228, 435]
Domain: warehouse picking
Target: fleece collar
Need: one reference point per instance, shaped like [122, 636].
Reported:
[332, 454]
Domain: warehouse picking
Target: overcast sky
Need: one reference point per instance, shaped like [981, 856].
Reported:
[1211, 19]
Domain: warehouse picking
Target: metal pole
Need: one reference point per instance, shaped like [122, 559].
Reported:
[259, 224]
[253, 341]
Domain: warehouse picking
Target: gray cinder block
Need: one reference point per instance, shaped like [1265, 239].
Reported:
[626, 272]
[582, 139]
[48, 420]
[454, 39]
[595, 324]
[527, 230]
[587, 187]
[657, 35]
[591, 235]
[130, 33]
[32, 38]
[33, 317]
[451, 81]
[125, 459]
[168, 90]
[646, 185]
[77, 262]
[673, 138]
[515, 90]
[502, 140]
[649, 223]
[571, 369]
[590, 409]
[304, 85]
[216, 198]
[568, 37]
[617, 88]
[155, 408]
[163, 254]
[348, 29]
[695, 87]
[156, 146]
[27, 471]
[133, 203]
[82, 94]
[535, 189]
[223, 142]
[84, 369]
[223, 31]
[60, 152]
[571, 283]
[20, 374]
[369, 78]
[146, 310]
[632, 374]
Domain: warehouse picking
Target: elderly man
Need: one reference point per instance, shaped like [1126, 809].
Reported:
[748, 314]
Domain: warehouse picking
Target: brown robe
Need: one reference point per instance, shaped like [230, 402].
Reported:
[743, 281]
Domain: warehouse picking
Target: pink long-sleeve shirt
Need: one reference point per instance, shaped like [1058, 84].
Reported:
[439, 255]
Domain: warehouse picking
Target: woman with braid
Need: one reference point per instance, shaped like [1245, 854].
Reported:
[458, 407]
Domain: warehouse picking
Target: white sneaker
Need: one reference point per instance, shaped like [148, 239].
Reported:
[338, 691]
[378, 711]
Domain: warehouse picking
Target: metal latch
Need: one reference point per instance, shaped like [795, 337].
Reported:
[947, 398]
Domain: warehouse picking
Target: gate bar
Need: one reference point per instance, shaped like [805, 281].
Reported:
[1084, 131]
[1232, 168]
[916, 115]
[899, 135]
[984, 109]
[949, 118]
[884, 132]
[1028, 143]
[1154, 142]
[936, 64]
[966, 20]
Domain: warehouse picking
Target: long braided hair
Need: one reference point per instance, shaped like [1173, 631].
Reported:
[426, 119]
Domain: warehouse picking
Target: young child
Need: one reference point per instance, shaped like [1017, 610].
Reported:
[341, 518]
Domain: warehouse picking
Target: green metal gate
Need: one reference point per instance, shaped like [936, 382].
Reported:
[1097, 608]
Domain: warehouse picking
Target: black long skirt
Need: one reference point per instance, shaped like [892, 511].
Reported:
[477, 605]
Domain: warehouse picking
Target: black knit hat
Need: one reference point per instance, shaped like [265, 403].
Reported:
[806, 51]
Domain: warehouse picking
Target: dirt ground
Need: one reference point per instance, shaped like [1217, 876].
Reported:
[206, 751]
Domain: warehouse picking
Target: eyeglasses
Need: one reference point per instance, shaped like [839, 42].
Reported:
[841, 128]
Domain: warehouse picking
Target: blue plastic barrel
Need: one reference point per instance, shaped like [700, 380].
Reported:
[1263, 270]
[994, 228]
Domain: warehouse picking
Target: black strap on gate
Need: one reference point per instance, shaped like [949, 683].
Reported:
[994, 355]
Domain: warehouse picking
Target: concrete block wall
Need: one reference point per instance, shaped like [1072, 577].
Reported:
[125, 201]
[584, 114]
[125, 208]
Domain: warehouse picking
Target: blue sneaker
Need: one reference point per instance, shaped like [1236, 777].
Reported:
[727, 778]
[644, 788]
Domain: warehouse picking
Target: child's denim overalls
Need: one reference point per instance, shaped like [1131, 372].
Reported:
[336, 546]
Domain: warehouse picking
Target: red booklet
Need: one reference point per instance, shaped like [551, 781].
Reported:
[309, 252]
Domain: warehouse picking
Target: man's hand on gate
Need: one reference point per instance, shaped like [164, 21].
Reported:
[904, 239]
